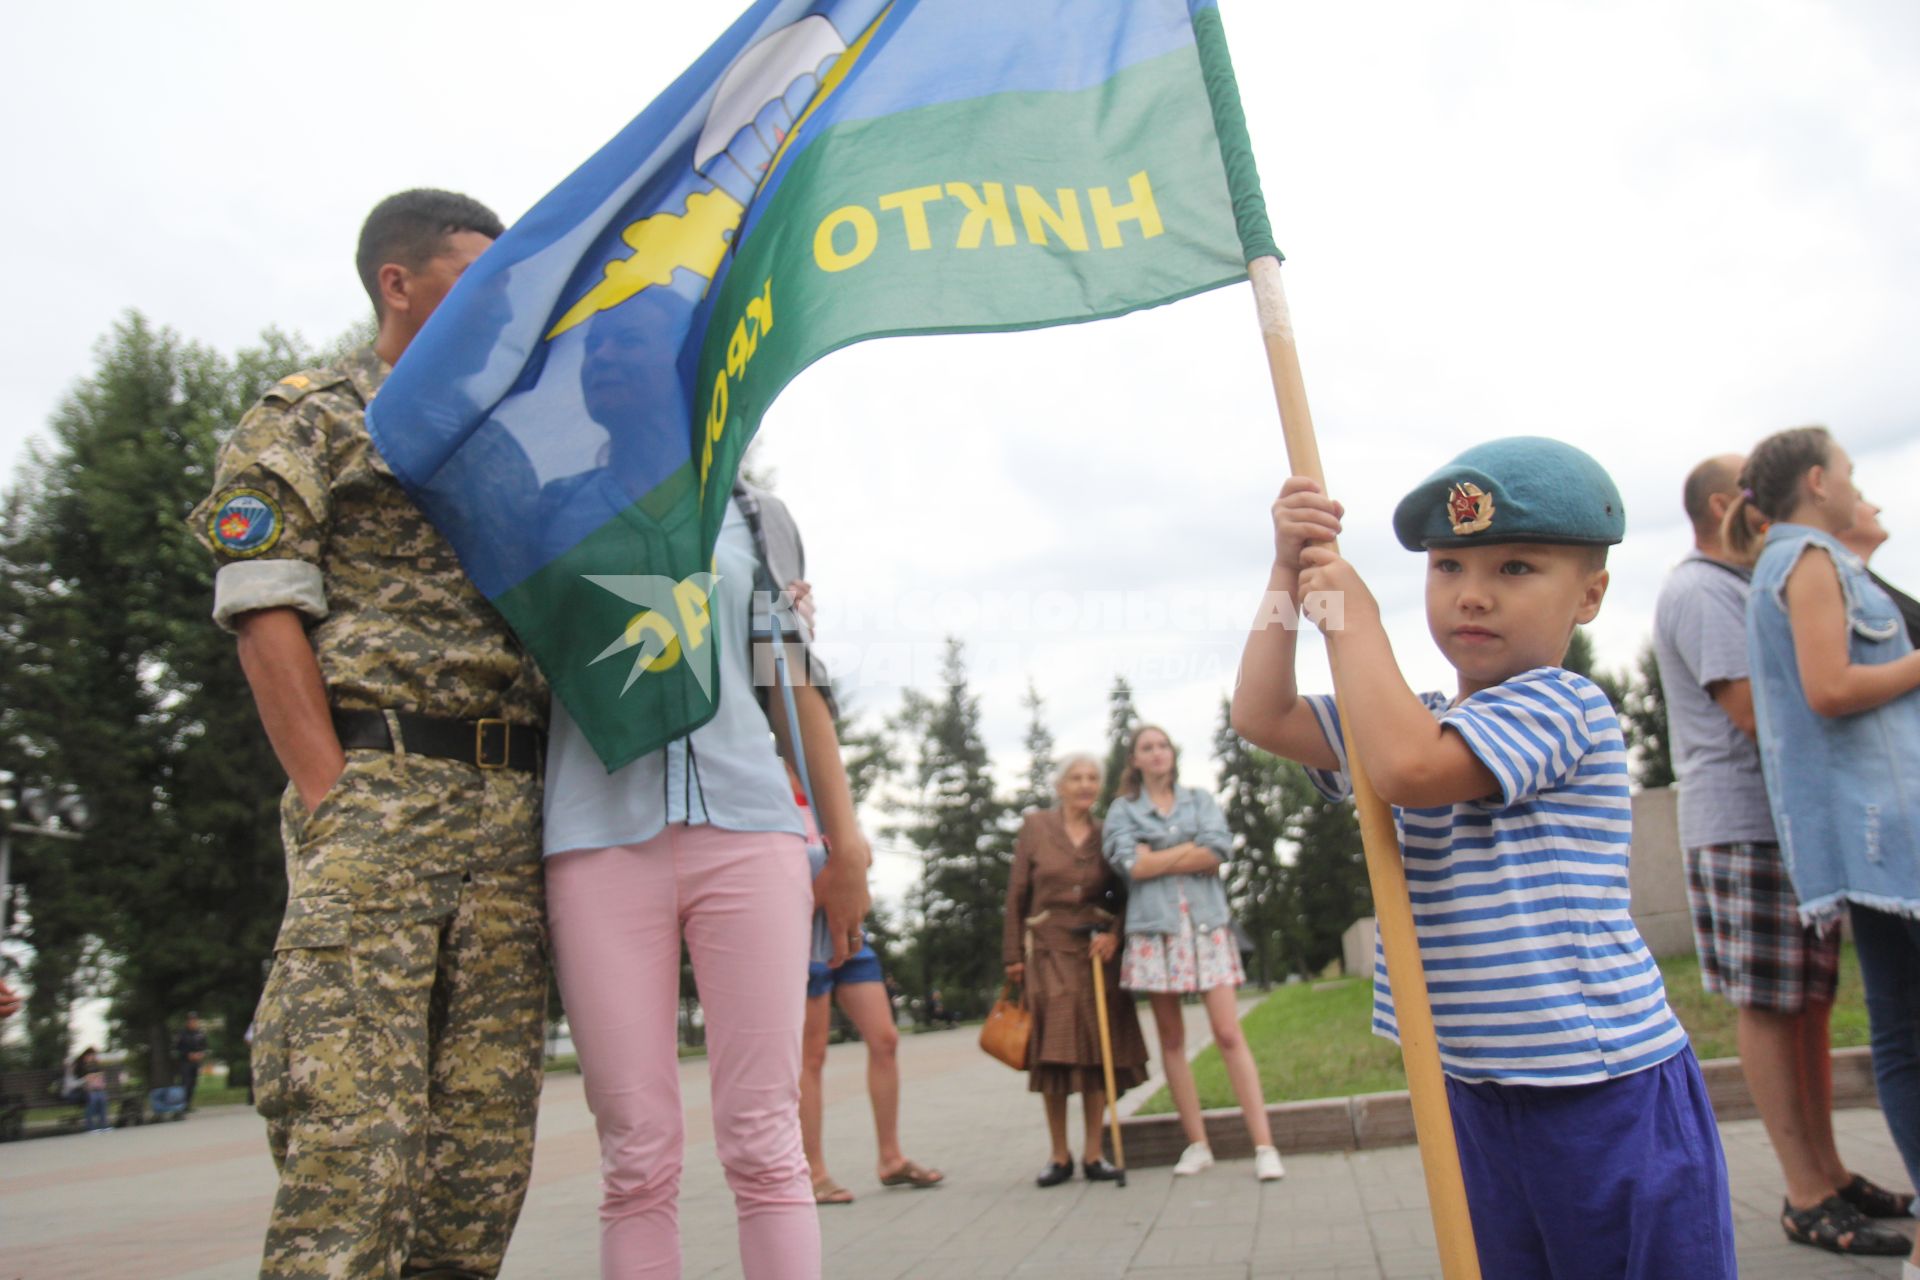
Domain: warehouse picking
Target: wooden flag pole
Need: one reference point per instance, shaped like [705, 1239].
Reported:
[1392, 909]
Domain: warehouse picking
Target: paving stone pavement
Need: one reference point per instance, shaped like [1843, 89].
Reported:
[187, 1201]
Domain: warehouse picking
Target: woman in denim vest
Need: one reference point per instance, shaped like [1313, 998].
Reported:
[1169, 842]
[1834, 676]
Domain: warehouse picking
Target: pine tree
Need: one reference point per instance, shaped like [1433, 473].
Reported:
[1122, 720]
[114, 681]
[956, 820]
[1643, 718]
[1579, 659]
[866, 751]
[1251, 798]
[1036, 790]
[1327, 886]
[1641, 703]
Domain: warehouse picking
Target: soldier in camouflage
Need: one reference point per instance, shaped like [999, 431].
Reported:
[397, 1056]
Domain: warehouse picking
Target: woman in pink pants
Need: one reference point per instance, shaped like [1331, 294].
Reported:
[701, 840]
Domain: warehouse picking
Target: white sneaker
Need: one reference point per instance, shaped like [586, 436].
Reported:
[1267, 1166]
[1197, 1158]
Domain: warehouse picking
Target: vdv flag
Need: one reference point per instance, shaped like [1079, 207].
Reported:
[573, 415]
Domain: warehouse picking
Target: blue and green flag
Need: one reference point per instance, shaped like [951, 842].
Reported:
[573, 415]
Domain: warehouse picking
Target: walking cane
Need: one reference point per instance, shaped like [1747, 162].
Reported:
[1106, 1052]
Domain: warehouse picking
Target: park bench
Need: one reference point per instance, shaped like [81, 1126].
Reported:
[30, 1103]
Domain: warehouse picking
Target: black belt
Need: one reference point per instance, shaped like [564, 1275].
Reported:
[488, 743]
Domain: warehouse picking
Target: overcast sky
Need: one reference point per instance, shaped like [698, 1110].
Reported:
[1658, 231]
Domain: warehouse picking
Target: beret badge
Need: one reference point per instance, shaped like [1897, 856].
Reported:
[1469, 508]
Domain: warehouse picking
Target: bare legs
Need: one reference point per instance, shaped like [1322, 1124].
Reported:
[1093, 1109]
[866, 1005]
[1173, 1057]
[1093, 1112]
[1785, 1058]
[1056, 1104]
[813, 1058]
[1223, 1016]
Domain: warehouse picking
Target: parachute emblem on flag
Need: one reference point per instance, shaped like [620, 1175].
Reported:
[759, 106]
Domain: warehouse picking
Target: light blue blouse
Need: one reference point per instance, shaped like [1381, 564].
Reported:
[725, 774]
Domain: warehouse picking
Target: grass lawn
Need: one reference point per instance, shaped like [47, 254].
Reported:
[1312, 1041]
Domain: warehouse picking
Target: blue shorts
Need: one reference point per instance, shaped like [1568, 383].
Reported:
[1622, 1180]
[861, 966]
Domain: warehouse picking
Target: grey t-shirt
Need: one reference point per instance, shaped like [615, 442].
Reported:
[1700, 638]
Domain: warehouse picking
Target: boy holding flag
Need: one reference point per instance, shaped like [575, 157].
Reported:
[1585, 1134]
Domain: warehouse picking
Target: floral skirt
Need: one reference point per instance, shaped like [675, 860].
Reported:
[1187, 961]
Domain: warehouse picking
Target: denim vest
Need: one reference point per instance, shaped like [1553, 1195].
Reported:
[1845, 790]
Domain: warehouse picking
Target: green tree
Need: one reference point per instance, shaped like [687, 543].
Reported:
[1642, 706]
[1327, 883]
[1327, 887]
[1579, 659]
[1643, 718]
[1122, 720]
[115, 682]
[866, 751]
[1251, 798]
[955, 818]
[1036, 787]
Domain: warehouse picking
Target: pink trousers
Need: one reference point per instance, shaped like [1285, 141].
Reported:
[744, 903]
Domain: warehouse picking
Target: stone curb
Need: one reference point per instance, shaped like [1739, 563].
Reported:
[1369, 1120]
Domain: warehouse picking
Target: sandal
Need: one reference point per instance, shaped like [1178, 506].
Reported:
[827, 1191]
[1838, 1227]
[913, 1175]
[1876, 1201]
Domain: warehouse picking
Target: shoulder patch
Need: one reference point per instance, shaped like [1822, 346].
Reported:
[297, 386]
[246, 523]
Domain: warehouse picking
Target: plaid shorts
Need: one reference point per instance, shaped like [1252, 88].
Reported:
[1746, 927]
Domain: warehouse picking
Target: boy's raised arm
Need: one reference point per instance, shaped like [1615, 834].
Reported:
[1267, 708]
[1412, 760]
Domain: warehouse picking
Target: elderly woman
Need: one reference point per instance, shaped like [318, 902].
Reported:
[1055, 899]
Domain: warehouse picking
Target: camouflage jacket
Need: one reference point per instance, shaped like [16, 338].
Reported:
[304, 514]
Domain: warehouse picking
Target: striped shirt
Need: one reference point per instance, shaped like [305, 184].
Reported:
[1535, 969]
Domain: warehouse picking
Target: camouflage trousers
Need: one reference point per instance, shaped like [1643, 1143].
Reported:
[397, 1048]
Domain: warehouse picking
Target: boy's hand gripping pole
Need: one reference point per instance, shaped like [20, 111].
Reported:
[1392, 909]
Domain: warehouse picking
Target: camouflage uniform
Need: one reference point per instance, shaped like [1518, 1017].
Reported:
[397, 1052]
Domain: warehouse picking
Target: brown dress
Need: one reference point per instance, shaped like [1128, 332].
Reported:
[1062, 883]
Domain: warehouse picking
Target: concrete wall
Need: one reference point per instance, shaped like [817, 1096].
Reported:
[1659, 874]
[1356, 948]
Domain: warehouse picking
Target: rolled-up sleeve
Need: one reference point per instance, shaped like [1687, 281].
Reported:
[247, 585]
[266, 519]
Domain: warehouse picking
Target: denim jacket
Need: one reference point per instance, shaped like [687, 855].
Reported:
[1845, 790]
[1153, 905]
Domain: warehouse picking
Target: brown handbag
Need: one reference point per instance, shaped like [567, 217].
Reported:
[1008, 1028]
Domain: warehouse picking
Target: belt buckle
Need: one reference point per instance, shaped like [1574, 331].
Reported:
[480, 742]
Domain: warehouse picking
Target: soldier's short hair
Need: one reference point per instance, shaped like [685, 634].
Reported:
[411, 228]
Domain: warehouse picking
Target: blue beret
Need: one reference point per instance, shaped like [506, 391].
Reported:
[1520, 489]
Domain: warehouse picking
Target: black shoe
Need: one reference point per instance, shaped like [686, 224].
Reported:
[1838, 1227]
[1099, 1171]
[1054, 1174]
[1876, 1201]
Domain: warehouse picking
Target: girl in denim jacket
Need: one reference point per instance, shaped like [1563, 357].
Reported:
[1169, 842]
[1834, 680]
